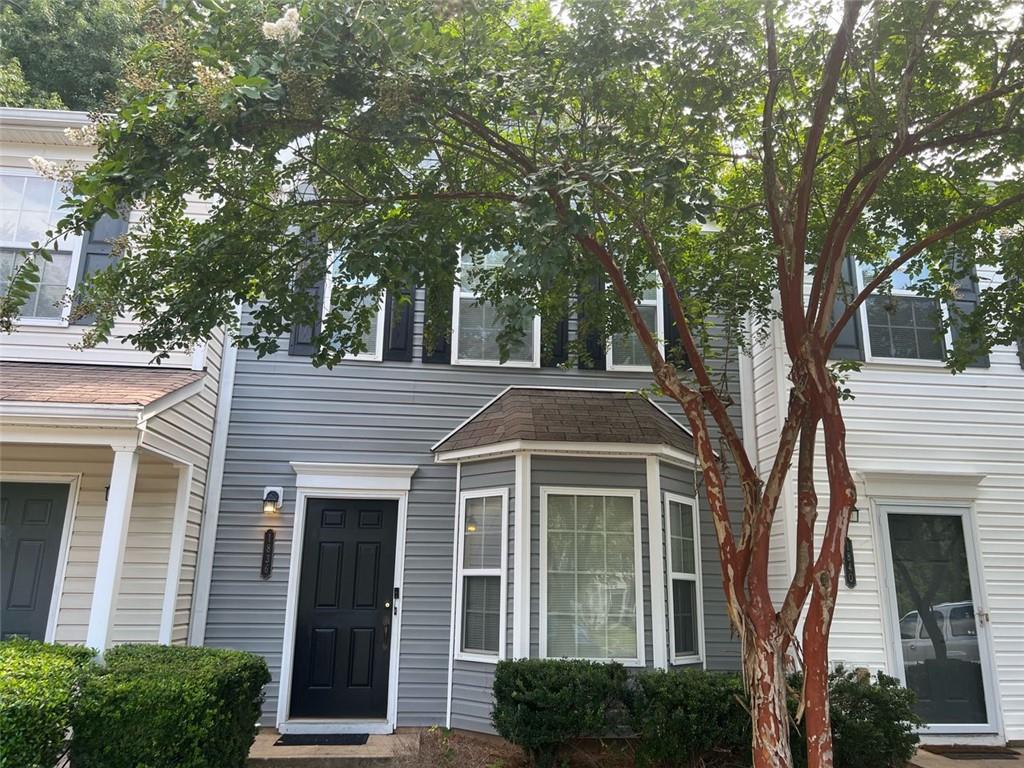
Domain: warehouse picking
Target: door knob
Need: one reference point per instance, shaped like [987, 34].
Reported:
[387, 605]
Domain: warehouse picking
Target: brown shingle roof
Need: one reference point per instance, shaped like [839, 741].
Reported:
[569, 415]
[95, 384]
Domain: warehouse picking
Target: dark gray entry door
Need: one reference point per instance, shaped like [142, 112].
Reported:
[343, 623]
[32, 516]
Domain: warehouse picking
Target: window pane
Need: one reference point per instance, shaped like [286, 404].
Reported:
[482, 548]
[684, 616]
[591, 577]
[479, 326]
[626, 347]
[29, 206]
[908, 626]
[481, 613]
[684, 558]
[51, 292]
[961, 621]
[904, 327]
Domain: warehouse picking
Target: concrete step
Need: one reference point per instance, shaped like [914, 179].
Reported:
[396, 749]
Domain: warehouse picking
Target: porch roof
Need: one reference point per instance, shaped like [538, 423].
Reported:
[545, 415]
[90, 384]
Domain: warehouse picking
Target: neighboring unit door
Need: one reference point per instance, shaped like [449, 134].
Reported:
[343, 621]
[942, 650]
[32, 517]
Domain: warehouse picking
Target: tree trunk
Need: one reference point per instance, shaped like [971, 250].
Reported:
[817, 719]
[766, 682]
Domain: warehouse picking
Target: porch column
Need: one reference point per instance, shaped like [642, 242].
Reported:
[112, 545]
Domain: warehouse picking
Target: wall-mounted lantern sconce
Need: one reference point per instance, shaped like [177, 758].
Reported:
[272, 497]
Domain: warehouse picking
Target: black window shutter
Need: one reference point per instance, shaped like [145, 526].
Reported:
[967, 299]
[555, 344]
[301, 342]
[674, 351]
[849, 344]
[593, 342]
[398, 315]
[97, 252]
[439, 304]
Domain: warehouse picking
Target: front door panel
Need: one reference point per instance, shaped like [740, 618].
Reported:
[32, 517]
[343, 625]
[939, 632]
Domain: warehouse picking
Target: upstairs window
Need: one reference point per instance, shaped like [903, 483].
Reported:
[477, 323]
[904, 325]
[29, 206]
[373, 337]
[625, 352]
[685, 604]
[591, 594]
[483, 544]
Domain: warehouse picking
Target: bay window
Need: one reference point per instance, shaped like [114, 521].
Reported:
[591, 585]
[483, 548]
[29, 206]
[682, 534]
[477, 323]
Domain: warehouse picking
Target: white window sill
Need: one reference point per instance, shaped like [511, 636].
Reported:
[43, 322]
[629, 368]
[634, 663]
[904, 362]
[496, 363]
[685, 660]
[479, 658]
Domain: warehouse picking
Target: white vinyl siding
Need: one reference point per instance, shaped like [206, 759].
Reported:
[481, 580]
[591, 581]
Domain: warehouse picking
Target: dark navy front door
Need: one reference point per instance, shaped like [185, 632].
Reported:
[343, 622]
[31, 523]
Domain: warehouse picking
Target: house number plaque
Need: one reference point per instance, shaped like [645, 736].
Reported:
[849, 567]
[267, 561]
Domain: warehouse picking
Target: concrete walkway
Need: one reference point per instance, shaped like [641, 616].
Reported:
[929, 760]
[377, 752]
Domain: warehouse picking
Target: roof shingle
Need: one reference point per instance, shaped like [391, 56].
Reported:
[90, 384]
[569, 415]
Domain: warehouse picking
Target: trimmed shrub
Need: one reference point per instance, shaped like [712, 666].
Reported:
[541, 704]
[159, 706]
[39, 684]
[689, 717]
[873, 721]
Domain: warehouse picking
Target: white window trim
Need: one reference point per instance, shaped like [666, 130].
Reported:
[659, 333]
[862, 312]
[73, 244]
[375, 355]
[457, 294]
[501, 571]
[640, 660]
[673, 575]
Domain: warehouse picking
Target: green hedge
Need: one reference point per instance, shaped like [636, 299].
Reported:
[689, 717]
[541, 704]
[39, 684]
[159, 706]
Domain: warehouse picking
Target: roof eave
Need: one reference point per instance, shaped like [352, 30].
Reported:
[552, 447]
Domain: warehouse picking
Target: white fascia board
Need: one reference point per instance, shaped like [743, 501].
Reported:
[553, 447]
[56, 119]
[171, 399]
[39, 413]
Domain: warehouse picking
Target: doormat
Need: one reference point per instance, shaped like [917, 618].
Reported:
[321, 740]
[971, 752]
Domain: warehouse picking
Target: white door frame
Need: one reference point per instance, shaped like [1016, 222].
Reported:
[73, 482]
[342, 481]
[965, 512]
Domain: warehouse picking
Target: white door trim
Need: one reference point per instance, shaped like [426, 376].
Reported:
[341, 482]
[881, 508]
[73, 482]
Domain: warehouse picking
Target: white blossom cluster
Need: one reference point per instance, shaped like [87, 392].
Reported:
[86, 136]
[284, 30]
[49, 170]
[208, 76]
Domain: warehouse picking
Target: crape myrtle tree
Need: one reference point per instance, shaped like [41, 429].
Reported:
[735, 152]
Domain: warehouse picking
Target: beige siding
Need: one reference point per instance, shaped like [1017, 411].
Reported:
[186, 430]
[144, 573]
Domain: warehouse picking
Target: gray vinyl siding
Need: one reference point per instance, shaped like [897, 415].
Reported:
[472, 680]
[286, 410]
[577, 472]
